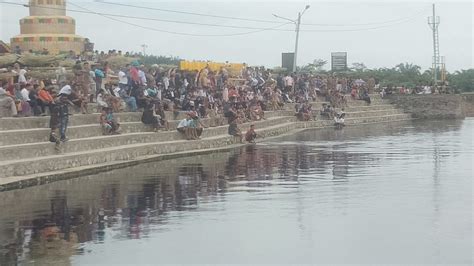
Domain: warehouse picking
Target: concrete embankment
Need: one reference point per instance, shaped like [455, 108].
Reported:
[435, 106]
[27, 159]
[468, 104]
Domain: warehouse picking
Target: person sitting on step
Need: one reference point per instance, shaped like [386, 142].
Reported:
[45, 97]
[160, 111]
[326, 111]
[183, 127]
[110, 125]
[251, 135]
[195, 126]
[7, 104]
[149, 116]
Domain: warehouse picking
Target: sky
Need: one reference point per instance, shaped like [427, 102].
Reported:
[378, 34]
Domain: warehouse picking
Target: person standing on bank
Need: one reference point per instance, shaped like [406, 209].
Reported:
[60, 115]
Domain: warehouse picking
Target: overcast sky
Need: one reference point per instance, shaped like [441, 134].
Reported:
[386, 32]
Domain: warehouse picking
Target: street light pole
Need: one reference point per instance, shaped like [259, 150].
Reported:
[295, 57]
[297, 23]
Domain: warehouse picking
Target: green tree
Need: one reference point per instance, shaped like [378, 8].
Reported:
[408, 69]
[159, 60]
[462, 80]
[316, 66]
[358, 67]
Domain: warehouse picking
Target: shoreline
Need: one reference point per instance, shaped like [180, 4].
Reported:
[21, 182]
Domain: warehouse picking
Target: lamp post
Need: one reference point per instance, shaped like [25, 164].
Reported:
[297, 22]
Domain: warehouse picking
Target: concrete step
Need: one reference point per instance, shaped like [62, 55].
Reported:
[122, 153]
[32, 150]
[79, 131]
[22, 136]
[10, 123]
[372, 107]
[13, 137]
[373, 113]
[50, 163]
[362, 114]
[358, 121]
[352, 102]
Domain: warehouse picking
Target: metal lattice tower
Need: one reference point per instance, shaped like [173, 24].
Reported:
[434, 24]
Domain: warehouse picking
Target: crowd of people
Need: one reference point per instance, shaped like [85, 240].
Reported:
[218, 96]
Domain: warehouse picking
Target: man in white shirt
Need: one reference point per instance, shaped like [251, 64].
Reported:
[142, 76]
[183, 125]
[289, 82]
[25, 92]
[123, 79]
[22, 76]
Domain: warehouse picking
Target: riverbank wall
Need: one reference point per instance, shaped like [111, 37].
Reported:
[435, 106]
[468, 104]
[28, 159]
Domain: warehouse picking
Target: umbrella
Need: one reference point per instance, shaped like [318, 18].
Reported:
[359, 82]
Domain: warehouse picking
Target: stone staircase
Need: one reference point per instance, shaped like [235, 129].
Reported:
[27, 158]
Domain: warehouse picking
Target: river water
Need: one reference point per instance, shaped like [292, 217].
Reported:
[389, 193]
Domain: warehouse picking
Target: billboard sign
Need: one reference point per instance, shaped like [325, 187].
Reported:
[339, 61]
[287, 60]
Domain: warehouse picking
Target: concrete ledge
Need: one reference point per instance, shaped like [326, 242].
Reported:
[132, 151]
[438, 106]
[30, 159]
[12, 183]
[9, 123]
[32, 150]
[41, 135]
[122, 153]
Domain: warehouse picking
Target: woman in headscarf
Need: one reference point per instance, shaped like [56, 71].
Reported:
[7, 104]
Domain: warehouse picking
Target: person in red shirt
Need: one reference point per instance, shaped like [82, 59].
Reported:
[45, 98]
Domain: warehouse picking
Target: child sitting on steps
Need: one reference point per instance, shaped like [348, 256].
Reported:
[110, 125]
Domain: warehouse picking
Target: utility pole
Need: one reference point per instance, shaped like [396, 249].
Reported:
[434, 24]
[297, 22]
[295, 57]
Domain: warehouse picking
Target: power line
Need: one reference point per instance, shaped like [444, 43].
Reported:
[365, 29]
[255, 30]
[249, 19]
[368, 23]
[277, 28]
[188, 13]
[178, 33]
[141, 18]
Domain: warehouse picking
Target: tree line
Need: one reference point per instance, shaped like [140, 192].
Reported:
[403, 74]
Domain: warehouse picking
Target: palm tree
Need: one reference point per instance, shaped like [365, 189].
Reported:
[407, 68]
[316, 66]
[463, 79]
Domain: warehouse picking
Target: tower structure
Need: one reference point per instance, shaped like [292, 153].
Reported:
[434, 24]
[48, 27]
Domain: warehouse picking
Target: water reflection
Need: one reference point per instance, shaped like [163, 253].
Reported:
[51, 223]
